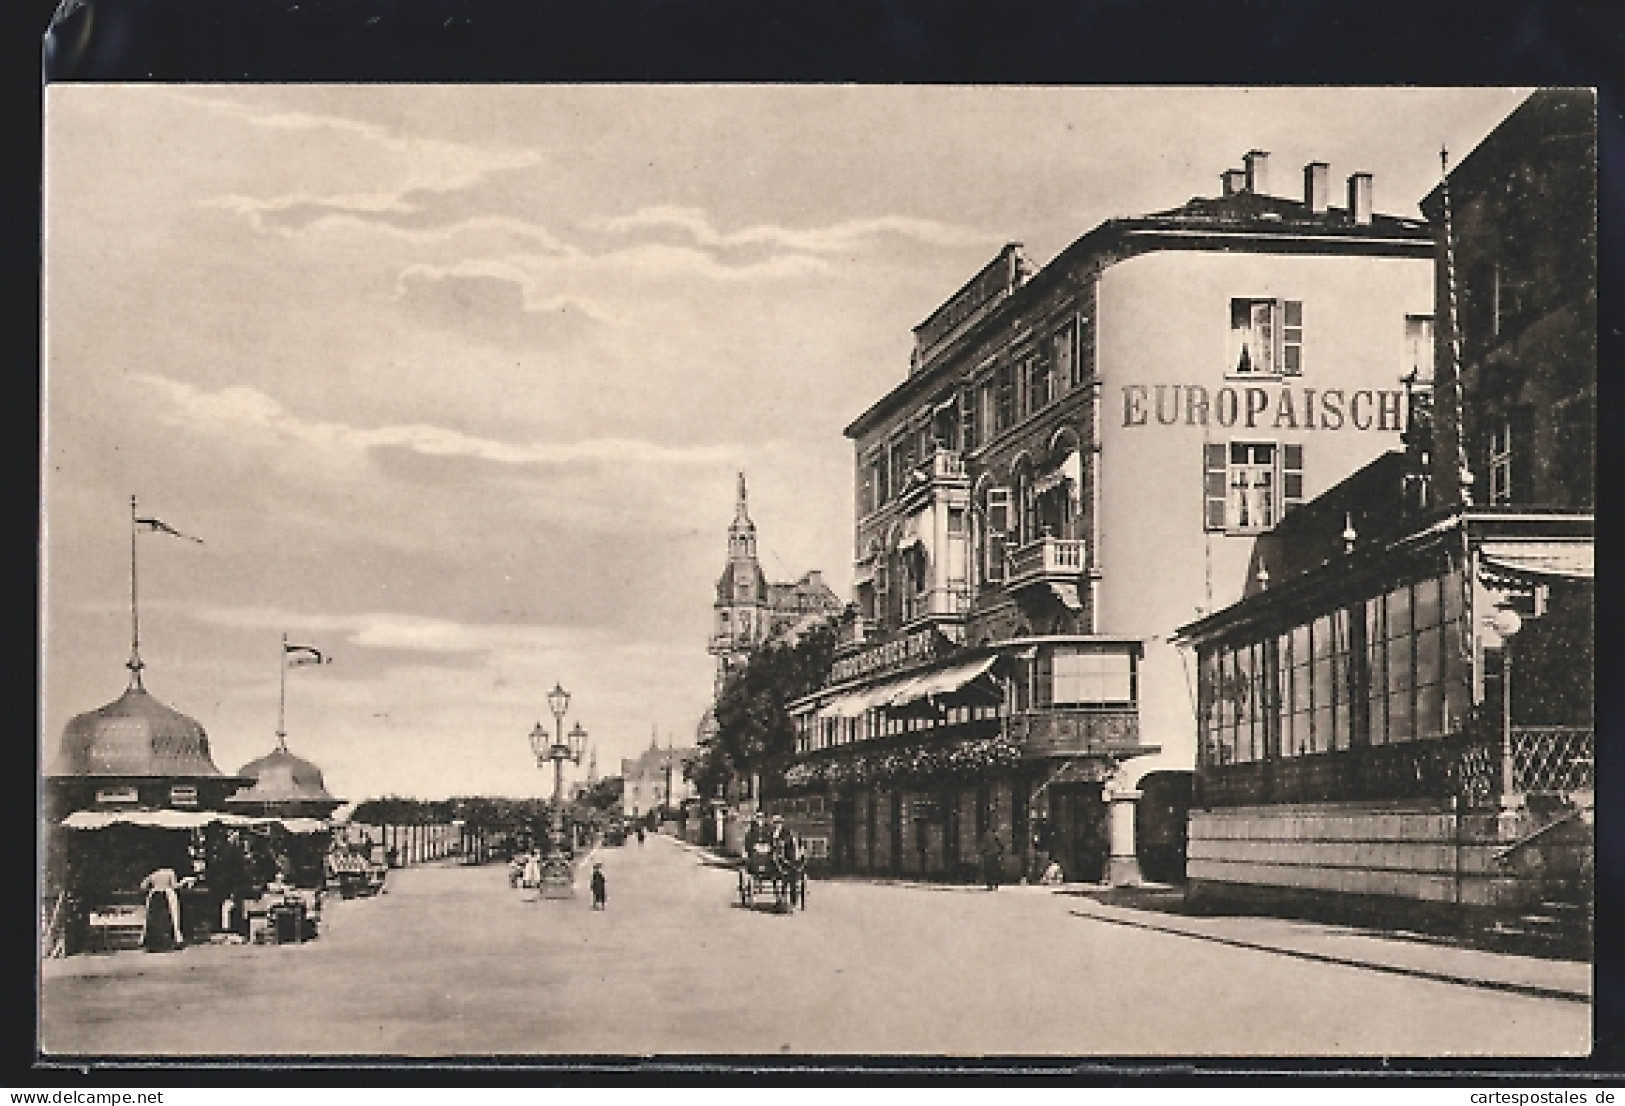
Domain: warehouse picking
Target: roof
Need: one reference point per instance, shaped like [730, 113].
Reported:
[725, 583]
[281, 777]
[1241, 222]
[135, 735]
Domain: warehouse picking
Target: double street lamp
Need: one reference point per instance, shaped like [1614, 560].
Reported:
[556, 874]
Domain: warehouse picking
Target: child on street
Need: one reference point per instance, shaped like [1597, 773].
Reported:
[600, 887]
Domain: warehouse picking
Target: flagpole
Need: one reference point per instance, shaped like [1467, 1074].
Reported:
[134, 663]
[282, 697]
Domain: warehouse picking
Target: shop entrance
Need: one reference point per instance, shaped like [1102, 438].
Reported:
[843, 834]
[1077, 833]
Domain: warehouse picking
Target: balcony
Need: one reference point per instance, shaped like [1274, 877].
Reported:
[1054, 733]
[1047, 560]
[853, 631]
[950, 603]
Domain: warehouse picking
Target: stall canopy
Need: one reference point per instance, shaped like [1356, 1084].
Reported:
[182, 820]
[1565, 560]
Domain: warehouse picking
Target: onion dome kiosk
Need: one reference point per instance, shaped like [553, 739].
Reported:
[129, 794]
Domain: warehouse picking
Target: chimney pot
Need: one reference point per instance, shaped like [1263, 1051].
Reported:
[1235, 180]
[1316, 187]
[1258, 171]
[1360, 198]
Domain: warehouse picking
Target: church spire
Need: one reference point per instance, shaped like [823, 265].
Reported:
[742, 534]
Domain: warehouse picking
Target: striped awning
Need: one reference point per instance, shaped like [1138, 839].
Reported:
[1570, 560]
[182, 820]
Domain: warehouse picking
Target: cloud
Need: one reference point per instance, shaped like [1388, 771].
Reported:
[240, 408]
[842, 237]
[420, 633]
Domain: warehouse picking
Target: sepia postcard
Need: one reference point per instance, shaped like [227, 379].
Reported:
[768, 570]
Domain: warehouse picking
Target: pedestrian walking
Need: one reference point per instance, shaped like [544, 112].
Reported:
[533, 871]
[640, 835]
[600, 888]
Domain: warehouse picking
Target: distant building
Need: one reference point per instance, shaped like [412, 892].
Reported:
[1077, 463]
[750, 611]
[1400, 715]
[655, 779]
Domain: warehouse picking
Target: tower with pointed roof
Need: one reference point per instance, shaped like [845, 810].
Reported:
[740, 621]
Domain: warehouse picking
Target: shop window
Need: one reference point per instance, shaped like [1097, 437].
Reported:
[1266, 337]
[1298, 731]
[1401, 671]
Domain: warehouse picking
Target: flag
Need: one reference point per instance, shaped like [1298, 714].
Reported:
[162, 527]
[305, 654]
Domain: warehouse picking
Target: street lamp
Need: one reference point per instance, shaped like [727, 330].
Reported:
[557, 878]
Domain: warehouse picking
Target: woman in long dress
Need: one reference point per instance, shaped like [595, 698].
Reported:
[162, 932]
[533, 870]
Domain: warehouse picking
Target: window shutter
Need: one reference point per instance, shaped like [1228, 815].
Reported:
[1292, 338]
[1214, 470]
[1291, 477]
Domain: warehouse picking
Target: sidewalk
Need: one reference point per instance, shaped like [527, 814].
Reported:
[1410, 955]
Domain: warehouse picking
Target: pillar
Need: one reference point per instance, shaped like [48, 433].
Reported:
[1123, 869]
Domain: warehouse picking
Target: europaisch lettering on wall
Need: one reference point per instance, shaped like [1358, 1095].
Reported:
[1253, 407]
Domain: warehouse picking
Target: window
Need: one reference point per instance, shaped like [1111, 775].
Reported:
[1077, 676]
[1065, 359]
[1418, 348]
[997, 526]
[117, 795]
[1499, 463]
[967, 419]
[1247, 486]
[1266, 337]
[1004, 389]
[1253, 499]
[181, 794]
[1038, 384]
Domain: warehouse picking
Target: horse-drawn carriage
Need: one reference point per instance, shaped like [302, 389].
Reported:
[774, 866]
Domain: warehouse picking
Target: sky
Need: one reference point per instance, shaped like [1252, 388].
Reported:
[453, 382]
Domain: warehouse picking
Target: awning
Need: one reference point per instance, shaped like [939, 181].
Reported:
[1067, 594]
[182, 820]
[944, 681]
[1565, 560]
[1069, 471]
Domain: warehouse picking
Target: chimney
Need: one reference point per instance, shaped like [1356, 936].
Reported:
[1316, 187]
[1235, 180]
[1258, 171]
[1360, 199]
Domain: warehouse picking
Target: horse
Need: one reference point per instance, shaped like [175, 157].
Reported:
[780, 864]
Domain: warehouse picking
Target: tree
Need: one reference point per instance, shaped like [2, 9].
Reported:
[754, 730]
[605, 794]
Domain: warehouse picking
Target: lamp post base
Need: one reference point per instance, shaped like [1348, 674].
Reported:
[558, 879]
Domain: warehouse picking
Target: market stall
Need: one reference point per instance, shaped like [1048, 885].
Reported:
[204, 873]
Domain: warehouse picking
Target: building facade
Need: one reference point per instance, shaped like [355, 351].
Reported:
[1403, 718]
[1078, 463]
[655, 780]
